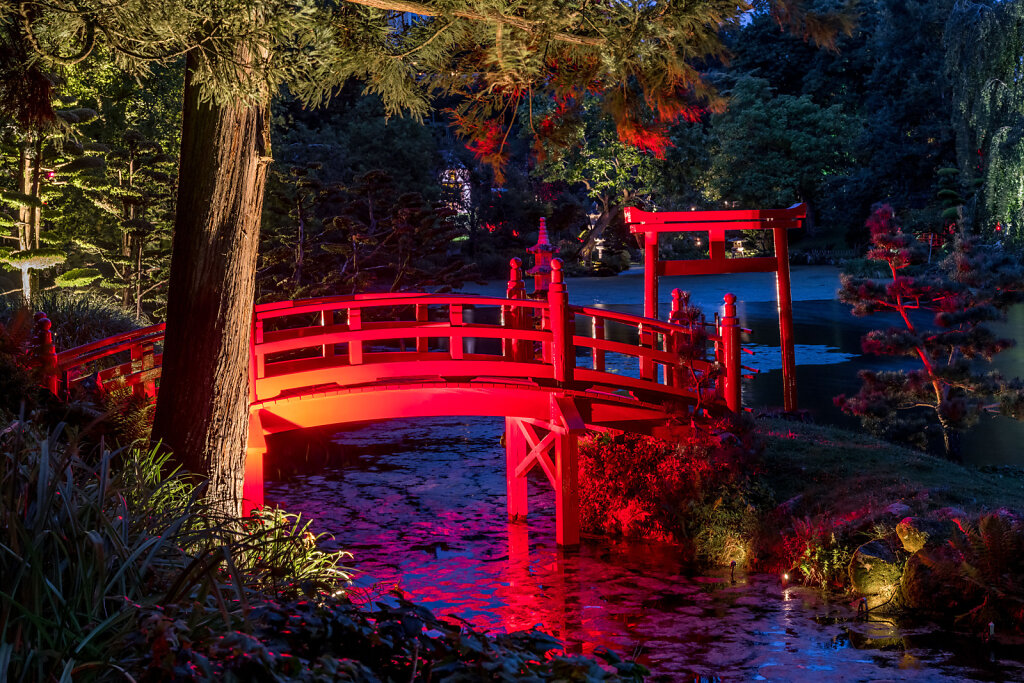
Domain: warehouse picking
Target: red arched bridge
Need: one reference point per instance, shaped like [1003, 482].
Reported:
[550, 369]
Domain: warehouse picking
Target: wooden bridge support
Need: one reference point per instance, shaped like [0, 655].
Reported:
[552, 444]
[255, 450]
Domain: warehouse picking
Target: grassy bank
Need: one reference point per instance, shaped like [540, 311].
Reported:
[850, 475]
[896, 529]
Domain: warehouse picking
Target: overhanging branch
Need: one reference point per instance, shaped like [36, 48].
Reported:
[523, 24]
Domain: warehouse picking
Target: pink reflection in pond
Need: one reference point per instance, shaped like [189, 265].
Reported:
[421, 504]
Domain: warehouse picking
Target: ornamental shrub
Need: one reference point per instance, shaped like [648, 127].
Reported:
[702, 492]
[947, 391]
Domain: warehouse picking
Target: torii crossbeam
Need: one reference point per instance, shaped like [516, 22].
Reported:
[651, 225]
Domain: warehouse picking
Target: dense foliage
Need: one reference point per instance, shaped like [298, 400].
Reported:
[114, 566]
[702, 492]
[363, 237]
[985, 48]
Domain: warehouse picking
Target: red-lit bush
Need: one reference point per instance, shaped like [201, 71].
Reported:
[699, 492]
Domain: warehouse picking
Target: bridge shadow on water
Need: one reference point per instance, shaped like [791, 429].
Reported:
[421, 504]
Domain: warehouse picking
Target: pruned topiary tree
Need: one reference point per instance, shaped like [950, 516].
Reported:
[973, 286]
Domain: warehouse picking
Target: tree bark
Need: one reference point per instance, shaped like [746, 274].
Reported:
[202, 409]
[25, 187]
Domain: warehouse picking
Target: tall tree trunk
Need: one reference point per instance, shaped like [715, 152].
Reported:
[202, 409]
[37, 189]
[25, 187]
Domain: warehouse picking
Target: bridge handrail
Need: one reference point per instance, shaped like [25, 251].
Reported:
[279, 342]
[651, 324]
[140, 372]
[524, 324]
[86, 353]
[384, 300]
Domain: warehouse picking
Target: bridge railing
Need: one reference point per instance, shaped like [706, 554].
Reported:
[364, 339]
[130, 359]
[377, 338]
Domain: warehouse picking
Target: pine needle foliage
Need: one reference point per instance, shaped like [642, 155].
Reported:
[973, 286]
[493, 55]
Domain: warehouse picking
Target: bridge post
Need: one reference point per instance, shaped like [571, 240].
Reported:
[646, 341]
[511, 316]
[567, 493]
[596, 354]
[355, 347]
[255, 449]
[563, 357]
[566, 426]
[673, 342]
[515, 485]
[731, 348]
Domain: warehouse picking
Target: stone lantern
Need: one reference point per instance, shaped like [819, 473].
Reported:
[543, 252]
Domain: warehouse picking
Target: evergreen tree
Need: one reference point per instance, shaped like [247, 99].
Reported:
[47, 160]
[494, 54]
[366, 237]
[588, 152]
[772, 151]
[973, 286]
[134, 196]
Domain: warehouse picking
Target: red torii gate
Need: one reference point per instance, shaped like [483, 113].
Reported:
[652, 224]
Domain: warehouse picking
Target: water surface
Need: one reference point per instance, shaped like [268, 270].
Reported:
[421, 503]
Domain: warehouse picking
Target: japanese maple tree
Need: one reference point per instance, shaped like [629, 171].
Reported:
[973, 286]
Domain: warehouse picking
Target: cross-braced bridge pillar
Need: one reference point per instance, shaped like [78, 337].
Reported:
[553, 444]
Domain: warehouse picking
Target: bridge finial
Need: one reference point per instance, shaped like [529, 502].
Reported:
[730, 304]
[557, 277]
[516, 286]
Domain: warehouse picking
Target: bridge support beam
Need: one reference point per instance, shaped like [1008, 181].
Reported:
[256, 448]
[515, 484]
[552, 444]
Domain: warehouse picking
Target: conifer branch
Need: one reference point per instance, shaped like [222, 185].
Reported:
[83, 54]
[516, 22]
[426, 42]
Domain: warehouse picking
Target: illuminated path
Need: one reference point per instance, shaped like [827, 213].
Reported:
[347, 359]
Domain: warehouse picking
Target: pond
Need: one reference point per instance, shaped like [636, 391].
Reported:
[421, 504]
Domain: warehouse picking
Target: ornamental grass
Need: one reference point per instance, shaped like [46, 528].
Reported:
[91, 540]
